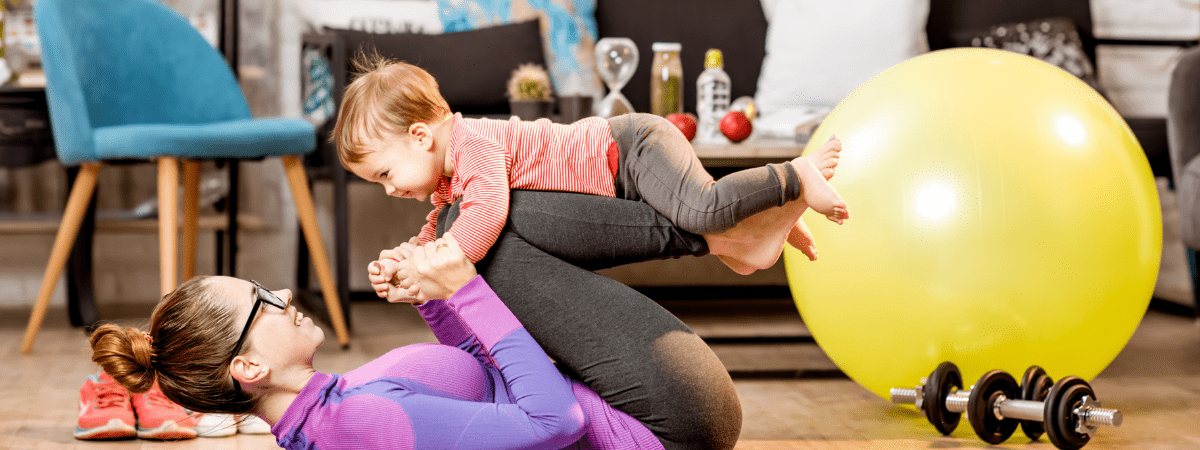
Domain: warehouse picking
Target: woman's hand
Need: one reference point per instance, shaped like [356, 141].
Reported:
[436, 270]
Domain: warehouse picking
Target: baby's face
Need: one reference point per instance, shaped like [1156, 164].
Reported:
[404, 169]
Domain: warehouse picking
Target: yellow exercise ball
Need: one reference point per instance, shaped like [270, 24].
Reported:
[1002, 215]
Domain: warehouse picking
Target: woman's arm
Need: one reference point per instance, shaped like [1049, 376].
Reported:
[546, 413]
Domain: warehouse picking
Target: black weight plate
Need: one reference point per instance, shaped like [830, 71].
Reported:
[1034, 386]
[990, 386]
[1060, 418]
[944, 380]
[1063, 398]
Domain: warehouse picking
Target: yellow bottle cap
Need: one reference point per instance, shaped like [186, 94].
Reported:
[713, 58]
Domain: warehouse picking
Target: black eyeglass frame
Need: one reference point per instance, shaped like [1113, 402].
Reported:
[261, 295]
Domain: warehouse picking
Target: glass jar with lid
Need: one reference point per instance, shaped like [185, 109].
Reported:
[666, 79]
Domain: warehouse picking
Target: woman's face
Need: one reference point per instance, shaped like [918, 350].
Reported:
[283, 336]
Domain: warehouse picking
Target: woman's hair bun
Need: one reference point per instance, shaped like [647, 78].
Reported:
[126, 354]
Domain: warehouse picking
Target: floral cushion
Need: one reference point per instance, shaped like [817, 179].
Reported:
[568, 34]
[1053, 40]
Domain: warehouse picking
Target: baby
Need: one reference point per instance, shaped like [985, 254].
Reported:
[394, 128]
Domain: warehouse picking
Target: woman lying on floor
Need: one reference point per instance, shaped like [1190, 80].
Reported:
[487, 385]
[636, 355]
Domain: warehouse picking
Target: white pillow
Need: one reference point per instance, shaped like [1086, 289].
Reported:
[818, 51]
[372, 16]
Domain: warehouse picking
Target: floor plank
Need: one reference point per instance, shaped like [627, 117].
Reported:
[1155, 382]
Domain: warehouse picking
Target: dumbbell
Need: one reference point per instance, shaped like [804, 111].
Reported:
[1070, 413]
[997, 425]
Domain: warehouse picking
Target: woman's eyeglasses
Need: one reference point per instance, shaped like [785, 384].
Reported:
[261, 295]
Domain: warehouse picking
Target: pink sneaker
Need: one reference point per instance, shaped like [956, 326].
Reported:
[159, 418]
[105, 410]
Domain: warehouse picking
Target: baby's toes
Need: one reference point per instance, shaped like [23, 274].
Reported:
[838, 214]
[834, 146]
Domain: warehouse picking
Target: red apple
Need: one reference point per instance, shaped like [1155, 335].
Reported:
[736, 126]
[685, 122]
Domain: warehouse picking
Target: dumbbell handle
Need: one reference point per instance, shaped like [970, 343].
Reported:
[1006, 408]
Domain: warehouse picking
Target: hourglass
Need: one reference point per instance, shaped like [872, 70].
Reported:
[617, 59]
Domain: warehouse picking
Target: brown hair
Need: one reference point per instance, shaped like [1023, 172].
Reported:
[386, 97]
[192, 333]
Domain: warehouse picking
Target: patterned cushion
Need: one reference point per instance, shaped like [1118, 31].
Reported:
[1054, 40]
[318, 86]
[568, 33]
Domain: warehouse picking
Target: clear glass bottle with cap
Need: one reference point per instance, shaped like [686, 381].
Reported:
[712, 96]
[666, 79]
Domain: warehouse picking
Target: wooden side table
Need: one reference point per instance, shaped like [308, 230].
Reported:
[751, 152]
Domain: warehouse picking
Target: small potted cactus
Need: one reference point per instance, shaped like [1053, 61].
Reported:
[529, 94]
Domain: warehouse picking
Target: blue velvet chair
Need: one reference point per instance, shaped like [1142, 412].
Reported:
[133, 80]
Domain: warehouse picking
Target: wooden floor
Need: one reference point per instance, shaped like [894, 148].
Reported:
[1155, 382]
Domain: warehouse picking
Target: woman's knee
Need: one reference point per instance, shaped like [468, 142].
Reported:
[707, 414]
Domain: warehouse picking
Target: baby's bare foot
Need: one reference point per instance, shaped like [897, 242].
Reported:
[817, 193]
[827, 157]
[802, 239]
[737, 266]
[756, 242]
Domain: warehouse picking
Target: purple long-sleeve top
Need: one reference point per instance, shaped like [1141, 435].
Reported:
[487, 385]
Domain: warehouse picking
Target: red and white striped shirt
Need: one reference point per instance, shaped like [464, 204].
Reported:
[491, 156]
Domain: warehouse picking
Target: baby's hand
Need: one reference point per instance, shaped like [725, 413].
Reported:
[382, 285]
[389, 277]
[380, 273]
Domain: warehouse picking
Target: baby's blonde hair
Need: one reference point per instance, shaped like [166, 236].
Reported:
[385, 98]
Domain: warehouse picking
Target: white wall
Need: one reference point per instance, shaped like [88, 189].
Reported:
[1136, 77]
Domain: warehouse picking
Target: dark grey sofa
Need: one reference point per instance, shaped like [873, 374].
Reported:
[1183, 133]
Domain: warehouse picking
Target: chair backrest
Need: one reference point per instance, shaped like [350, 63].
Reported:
[121, 62]
[953, 22]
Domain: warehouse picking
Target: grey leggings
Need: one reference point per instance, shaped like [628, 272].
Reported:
[638, 356]
[658, 165]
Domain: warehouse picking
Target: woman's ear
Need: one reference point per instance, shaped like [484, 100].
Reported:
[421, 135]
[247, 370]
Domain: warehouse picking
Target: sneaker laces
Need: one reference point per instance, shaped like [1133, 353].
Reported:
[156, 397]
[109, 395]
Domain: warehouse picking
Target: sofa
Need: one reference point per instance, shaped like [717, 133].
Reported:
[1183, 132]
[781, 52]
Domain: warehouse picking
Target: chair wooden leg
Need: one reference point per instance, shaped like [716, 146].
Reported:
[168, 222]
[77, 205]
[191, 216]
[298, 181]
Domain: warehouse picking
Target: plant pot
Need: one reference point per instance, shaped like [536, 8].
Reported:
[531, 109]
[574, 107]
